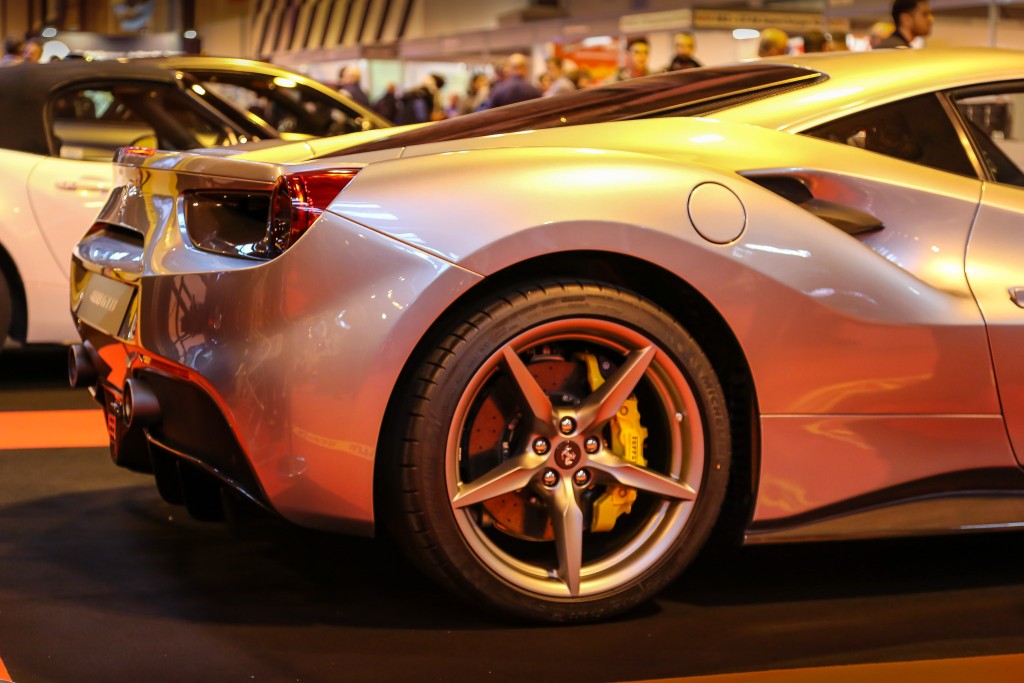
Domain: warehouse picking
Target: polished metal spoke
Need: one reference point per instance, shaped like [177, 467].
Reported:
[536, 400]
[604, 404]
[511, 475]
[567, 523]
[641, 478]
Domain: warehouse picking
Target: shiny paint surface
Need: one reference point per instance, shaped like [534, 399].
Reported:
[312, 446]
[995, 265]
[803, 454]
[36, 258]
[871, 363]
[885, 302]
[860, 80]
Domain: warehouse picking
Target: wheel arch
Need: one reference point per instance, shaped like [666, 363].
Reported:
[669, 291]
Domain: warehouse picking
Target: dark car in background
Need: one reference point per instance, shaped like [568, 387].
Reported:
[293, 104]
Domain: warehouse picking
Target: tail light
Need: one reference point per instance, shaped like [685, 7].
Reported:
[298, 200]
[123, 154]
[261, 225]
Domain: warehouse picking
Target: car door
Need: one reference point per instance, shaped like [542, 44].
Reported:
[88, 123]
[927, 218]
[994, 119]
[66, 195]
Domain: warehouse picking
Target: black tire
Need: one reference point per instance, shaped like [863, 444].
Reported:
[6, 309]
[495, 516]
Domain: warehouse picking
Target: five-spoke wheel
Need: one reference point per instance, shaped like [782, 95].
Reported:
[565, 453]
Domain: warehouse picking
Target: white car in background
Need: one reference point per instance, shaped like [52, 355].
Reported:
[58, 138]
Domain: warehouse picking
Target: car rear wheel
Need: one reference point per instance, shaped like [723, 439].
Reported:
[6, 309]
[564, 453]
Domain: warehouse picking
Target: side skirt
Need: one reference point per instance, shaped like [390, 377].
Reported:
[989, 499]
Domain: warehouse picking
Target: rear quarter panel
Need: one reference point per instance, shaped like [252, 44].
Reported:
[828, 324]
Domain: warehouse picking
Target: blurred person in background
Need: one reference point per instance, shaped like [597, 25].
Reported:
[451, 105]
[477, 92]
[560, 82]
[350, 76]
[33, 51]
[836, 43]
[638, 51]
[387, 105]
[582, 78]
[422, 103]
[499, 72]
[774, 42]
[515, 87]
[543, 82]
[913, 19]
[879, 31]
[685, 46]
[814, 41]
[14, 46]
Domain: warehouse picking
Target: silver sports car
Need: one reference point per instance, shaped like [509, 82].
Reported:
[554, 347]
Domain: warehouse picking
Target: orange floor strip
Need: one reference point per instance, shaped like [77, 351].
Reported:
[52, 429]
[4, 676]
[996, 669]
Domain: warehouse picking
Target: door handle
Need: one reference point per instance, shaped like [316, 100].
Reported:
[83, 184]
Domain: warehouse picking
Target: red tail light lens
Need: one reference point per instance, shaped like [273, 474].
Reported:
[124, 153]
[298, 200]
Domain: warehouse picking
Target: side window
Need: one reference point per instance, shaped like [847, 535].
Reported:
[288, 106]
[996, 133]
[92, 122]
[916, 129]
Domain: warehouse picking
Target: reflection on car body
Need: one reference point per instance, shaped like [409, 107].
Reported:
[553, 348]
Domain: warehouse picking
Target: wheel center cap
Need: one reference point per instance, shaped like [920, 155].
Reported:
[568, 454]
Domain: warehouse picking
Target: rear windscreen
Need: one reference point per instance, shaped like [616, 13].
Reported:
[688, 92]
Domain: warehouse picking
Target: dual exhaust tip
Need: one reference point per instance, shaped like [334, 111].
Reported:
[139, 405]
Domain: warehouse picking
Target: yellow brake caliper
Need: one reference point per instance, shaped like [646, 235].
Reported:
[627, 443]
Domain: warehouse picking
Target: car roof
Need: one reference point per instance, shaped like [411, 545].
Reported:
[24, 126]
[790, 92]
[858, 80]
[218, 63]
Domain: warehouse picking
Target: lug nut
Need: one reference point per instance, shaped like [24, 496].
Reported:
[541, 446]
[550, 478]
[567, 425]
[582, 477]
[592, 445]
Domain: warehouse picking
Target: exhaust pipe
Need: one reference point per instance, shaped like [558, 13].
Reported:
[140, 406]
[81, 371]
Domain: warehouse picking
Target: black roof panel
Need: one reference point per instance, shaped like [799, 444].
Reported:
[26, 89]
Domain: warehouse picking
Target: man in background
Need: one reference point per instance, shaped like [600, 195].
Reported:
[33, 51]
[879, 31]
[638, 51]
[684, 59]
[350, 77]
[913, 19]
[515, 87]
[774, 42]
[13, 47]
[560, 81]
